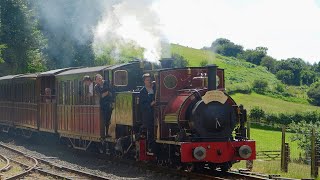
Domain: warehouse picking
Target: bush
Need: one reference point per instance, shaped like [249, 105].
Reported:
[314, 93]
[256, 114]
[302, 134]
[204, 63]
[240, 88]
[272, 119]
[280, 88]
[260, 86]
[179, 61]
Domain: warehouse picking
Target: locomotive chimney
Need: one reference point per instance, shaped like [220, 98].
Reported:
[166, 62]
[212, 77]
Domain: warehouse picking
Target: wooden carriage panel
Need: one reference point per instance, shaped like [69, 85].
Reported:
[25, 115]
[47, 117]
[6, 109]
[81, 120]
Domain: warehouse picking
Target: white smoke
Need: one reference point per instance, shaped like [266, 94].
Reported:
[131, 21]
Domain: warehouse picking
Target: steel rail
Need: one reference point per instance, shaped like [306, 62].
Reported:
[7, 165]
[28, 170]
[59, 167]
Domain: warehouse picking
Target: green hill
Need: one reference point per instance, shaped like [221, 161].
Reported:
[240, 74]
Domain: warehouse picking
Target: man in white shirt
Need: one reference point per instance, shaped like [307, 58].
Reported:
[88, 82]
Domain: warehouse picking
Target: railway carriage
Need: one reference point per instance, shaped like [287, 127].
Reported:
[6, 102]
[78, 116]
[26, 93]
[48, 109]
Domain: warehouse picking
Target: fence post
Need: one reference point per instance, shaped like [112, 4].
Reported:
[284, 151]
[314, 167]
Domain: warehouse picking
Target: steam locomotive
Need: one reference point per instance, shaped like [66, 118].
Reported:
[196, 124]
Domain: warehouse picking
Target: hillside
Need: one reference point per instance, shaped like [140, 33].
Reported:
[240, 75]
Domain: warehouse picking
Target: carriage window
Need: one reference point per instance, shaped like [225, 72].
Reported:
[120, 78]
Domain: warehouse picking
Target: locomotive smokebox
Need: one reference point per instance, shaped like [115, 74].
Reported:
[212, 77]
[166, 62]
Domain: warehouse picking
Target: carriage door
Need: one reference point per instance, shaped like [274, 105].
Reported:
[48, 104]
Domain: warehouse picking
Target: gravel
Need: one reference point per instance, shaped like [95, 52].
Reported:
[49, 148]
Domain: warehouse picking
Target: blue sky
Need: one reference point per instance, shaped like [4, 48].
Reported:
[289, 28]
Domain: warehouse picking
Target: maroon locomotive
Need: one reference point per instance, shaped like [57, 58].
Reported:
[197, 124]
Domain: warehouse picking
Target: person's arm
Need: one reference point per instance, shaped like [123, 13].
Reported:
[106, 89]
[97, 91]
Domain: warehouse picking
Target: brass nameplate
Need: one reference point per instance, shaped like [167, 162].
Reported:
[214, 95]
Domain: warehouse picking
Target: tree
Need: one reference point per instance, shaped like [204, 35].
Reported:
[314, 93]
[260, 86]
[269, 63]
[254, 55]
[302, 132]
[179, 61]
[204, 63]
[316, 67]
[286, 76]
[226, 47]
[2, 46]
[308, 77]
[295, 65]
[21, 35]
[256, 114]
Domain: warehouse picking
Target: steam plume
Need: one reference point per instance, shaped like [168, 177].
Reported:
[131, 21]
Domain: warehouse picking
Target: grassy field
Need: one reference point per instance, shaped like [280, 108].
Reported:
[270, 139]
[298, 171]
[271, 105]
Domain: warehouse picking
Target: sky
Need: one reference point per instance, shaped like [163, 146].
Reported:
[288, 28]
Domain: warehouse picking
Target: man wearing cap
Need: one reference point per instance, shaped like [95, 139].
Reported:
[104, 91]
[147, 103]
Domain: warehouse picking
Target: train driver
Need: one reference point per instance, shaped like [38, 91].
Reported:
[104, 91]
[147, 103]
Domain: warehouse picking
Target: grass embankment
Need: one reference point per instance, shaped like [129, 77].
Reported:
[297, 171]
[271, 105]
[270, 139]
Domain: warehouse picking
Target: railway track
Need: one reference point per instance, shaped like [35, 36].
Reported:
[23, 169]
[7, 163]
[174, 173]
[47, 168]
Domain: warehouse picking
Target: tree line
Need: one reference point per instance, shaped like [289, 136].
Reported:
[291, 71]
[41, 35]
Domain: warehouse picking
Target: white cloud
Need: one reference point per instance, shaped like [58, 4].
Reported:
[289, 28]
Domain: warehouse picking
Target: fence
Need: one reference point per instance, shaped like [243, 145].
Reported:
[269, 155]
